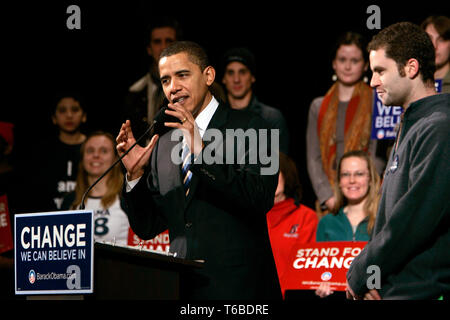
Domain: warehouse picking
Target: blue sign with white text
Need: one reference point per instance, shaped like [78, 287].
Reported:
[53, 252]
[386, 118]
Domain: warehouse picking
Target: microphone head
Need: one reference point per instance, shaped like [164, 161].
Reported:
[162, 117]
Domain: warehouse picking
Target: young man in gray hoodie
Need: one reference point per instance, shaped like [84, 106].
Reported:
[408, 254]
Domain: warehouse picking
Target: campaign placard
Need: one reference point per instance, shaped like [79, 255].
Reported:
[6, 242]
[384, 119]
[313, 263]
[160, 243]
[53, 252]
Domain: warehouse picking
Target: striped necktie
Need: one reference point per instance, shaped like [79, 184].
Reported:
[186, 174]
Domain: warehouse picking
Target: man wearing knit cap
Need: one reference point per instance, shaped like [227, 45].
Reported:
[239, 69]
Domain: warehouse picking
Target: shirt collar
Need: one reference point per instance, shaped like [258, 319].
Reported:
[205, 116]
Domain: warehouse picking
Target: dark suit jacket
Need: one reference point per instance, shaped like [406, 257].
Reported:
[222, 221]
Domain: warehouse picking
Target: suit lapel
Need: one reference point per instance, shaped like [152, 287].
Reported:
[169, 173]
[219, 118]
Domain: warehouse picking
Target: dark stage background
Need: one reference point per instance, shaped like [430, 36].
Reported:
[292, 42]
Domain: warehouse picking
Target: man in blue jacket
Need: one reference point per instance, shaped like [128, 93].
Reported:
[410, 243]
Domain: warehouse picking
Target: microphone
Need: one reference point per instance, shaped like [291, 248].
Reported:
[159, 128]
[162, 117]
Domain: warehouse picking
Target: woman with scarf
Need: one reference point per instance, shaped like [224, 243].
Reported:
[341, 120]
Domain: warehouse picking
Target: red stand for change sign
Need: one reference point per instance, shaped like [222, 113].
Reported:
[160, 243]
[313, 263]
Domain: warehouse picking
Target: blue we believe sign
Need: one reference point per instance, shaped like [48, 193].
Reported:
[53, 252]
[386, 118]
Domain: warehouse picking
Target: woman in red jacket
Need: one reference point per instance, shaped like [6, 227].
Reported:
[289, 222]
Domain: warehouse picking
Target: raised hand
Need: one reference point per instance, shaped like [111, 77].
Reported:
[187, 126]
[136, 160]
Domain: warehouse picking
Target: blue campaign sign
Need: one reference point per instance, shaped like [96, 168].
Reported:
[53, 252]
[384, 119]
[438, 85]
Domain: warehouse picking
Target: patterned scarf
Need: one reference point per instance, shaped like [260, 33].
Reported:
[358, 121]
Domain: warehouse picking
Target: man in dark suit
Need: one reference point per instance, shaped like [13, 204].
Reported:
[220, 217]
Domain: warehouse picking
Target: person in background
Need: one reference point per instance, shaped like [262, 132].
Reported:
[6, 147]
[55, 159]
[98, 153]
[145, 96]
[239, 76]
[8, 199]
[356, 192]
[438, 28]
[289, 222]
[341, 120]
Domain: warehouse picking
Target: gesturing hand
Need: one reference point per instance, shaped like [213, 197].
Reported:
[324, 290]
[136, 160]
[187, 126]
[372, 294]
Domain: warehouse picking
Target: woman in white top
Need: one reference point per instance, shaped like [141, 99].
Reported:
[98, 153]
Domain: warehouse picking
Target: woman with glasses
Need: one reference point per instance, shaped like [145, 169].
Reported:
[356, 191]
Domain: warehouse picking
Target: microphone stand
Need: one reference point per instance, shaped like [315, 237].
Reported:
[114, 164]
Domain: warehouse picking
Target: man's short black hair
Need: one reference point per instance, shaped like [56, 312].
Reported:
[194, 51]
[75, 95]
[403, 41]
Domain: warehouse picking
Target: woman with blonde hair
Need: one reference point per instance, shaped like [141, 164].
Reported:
[98, 153]
[357, 193]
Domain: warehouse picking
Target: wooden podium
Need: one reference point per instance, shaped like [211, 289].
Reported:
[129, 273]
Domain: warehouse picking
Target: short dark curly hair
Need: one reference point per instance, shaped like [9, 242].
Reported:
[403, 41]
[195, 52]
